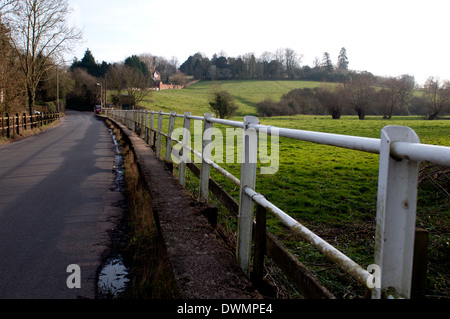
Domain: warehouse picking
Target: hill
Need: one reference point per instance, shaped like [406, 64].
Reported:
[247, 94]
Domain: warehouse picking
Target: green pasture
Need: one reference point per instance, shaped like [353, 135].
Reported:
[247, 94]
[330, 190]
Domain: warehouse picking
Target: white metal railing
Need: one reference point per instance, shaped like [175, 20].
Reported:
[400, 153]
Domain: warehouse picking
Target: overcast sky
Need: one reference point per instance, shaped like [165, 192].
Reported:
[385, 37]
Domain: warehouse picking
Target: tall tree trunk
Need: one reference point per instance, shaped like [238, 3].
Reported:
[31, 98]
[361, 114]
[336, 115]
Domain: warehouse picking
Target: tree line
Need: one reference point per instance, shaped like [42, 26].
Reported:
[346, 92]
[282, 64]
[359, 95]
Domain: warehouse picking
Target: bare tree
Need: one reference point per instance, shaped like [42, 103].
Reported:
[292, 60]
[361, 93]
[8, 6]
[122, 77]
[394, 96]
[11, 79]
[334, 98]
[40, 36]
[438, 97]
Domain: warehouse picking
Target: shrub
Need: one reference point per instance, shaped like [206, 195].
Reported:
[222, 104]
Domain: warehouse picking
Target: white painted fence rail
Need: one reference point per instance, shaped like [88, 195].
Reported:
[400, 153]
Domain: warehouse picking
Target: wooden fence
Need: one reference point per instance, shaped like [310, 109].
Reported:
[391, 276]
[12, 125]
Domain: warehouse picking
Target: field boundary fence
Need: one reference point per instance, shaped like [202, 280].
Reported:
[12, 125]
[400, 152]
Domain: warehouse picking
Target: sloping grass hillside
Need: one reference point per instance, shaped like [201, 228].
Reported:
[247, 94]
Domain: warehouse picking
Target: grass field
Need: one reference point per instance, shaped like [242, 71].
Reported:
[332, 191]
[194, 99]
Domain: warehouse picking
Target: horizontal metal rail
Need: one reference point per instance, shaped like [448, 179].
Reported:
[365, 144]
[422, 152]
[348, 265]
[217, 167]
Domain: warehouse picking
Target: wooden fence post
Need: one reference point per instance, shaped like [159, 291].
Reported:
[396, 214]
[246, 206]
[185, 153]
[17, 125]
[420, 264]
[8, 132]
[260, 244]
[206, 153]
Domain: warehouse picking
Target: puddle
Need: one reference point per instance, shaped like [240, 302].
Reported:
[112, 279]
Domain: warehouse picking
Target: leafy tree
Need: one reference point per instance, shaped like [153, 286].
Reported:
[90, 65]
[326, 62]
[222, 104]
[342, 64]
[135, 63]
[85, 92]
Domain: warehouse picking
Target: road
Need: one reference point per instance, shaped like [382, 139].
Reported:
[56, 206]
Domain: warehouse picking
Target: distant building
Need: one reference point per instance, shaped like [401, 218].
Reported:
[156, 76]
[124, 102]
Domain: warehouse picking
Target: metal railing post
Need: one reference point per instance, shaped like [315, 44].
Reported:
[137, 126]
[246, 206]
[185, 153]
[169, 136]
[396, 214]
[151, 132]
[141, 124]
[206, 153]
[146, 134]
[158, 134]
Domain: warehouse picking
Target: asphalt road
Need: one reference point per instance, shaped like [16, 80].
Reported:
[54, 199]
